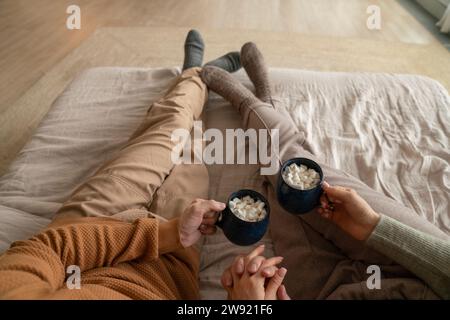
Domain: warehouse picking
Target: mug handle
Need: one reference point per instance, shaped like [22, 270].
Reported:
[219, 221]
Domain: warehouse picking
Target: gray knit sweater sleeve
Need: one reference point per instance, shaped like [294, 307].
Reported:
[424, 255]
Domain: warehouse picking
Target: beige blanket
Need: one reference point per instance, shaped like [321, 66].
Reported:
[391, 131]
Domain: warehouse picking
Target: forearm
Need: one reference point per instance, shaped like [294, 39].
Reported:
[37, 267]
[100, 242]
[424, 255]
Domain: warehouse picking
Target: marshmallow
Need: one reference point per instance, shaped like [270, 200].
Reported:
[248, 209]
[301, 177]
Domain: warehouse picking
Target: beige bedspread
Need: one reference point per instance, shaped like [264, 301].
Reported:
[391, 131]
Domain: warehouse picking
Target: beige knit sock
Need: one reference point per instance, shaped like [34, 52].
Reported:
[221, 82]
[253, 62]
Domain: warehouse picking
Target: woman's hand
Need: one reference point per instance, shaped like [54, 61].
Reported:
[254, 277]
[349, 211]
[199, 218]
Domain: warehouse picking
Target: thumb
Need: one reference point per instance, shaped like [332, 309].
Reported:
[275, 282]
[227, 282]
[282, 293]
[213, 206]
[337, 193]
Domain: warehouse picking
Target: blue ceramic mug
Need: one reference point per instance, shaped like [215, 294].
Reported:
[241, 232]
[294, 200]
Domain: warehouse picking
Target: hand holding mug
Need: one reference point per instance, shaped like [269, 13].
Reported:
[199, 218]
[349, 211]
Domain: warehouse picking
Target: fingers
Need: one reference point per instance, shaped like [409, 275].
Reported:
[209, 220]
[206, 207]
[266, 267]
[271, 262]
[326, 202]
[227, 279]
[323, 201]
[254, 264]
[325, 213]
[282, 293]
[238, 266]
[254, 253]
[233, 273]
[207, 226]
[337, 194]
[213, 206]
[275, 282]
[269, 272]
[207, 230]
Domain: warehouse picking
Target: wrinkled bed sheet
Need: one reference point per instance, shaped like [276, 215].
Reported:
[391, 131]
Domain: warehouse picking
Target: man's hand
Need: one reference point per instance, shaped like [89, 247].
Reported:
[351, 212]
[199, 218]
[254, 277]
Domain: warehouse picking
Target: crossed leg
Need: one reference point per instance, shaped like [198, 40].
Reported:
[316, 256]
[128, 185]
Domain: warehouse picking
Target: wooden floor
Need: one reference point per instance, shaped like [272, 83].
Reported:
[33, 36]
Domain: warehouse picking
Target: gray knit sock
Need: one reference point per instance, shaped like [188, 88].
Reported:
[230, 62]
[221, 82]
[253, 62]
[193, 50]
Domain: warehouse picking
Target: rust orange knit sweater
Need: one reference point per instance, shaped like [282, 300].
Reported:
[118, 260]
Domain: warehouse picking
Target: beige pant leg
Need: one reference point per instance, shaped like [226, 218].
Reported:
[130, 180]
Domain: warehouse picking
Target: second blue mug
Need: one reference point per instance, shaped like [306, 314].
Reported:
[294, 200]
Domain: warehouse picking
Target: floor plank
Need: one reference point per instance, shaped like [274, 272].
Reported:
[33, 36]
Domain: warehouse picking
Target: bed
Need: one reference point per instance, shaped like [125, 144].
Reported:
[390, 131]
